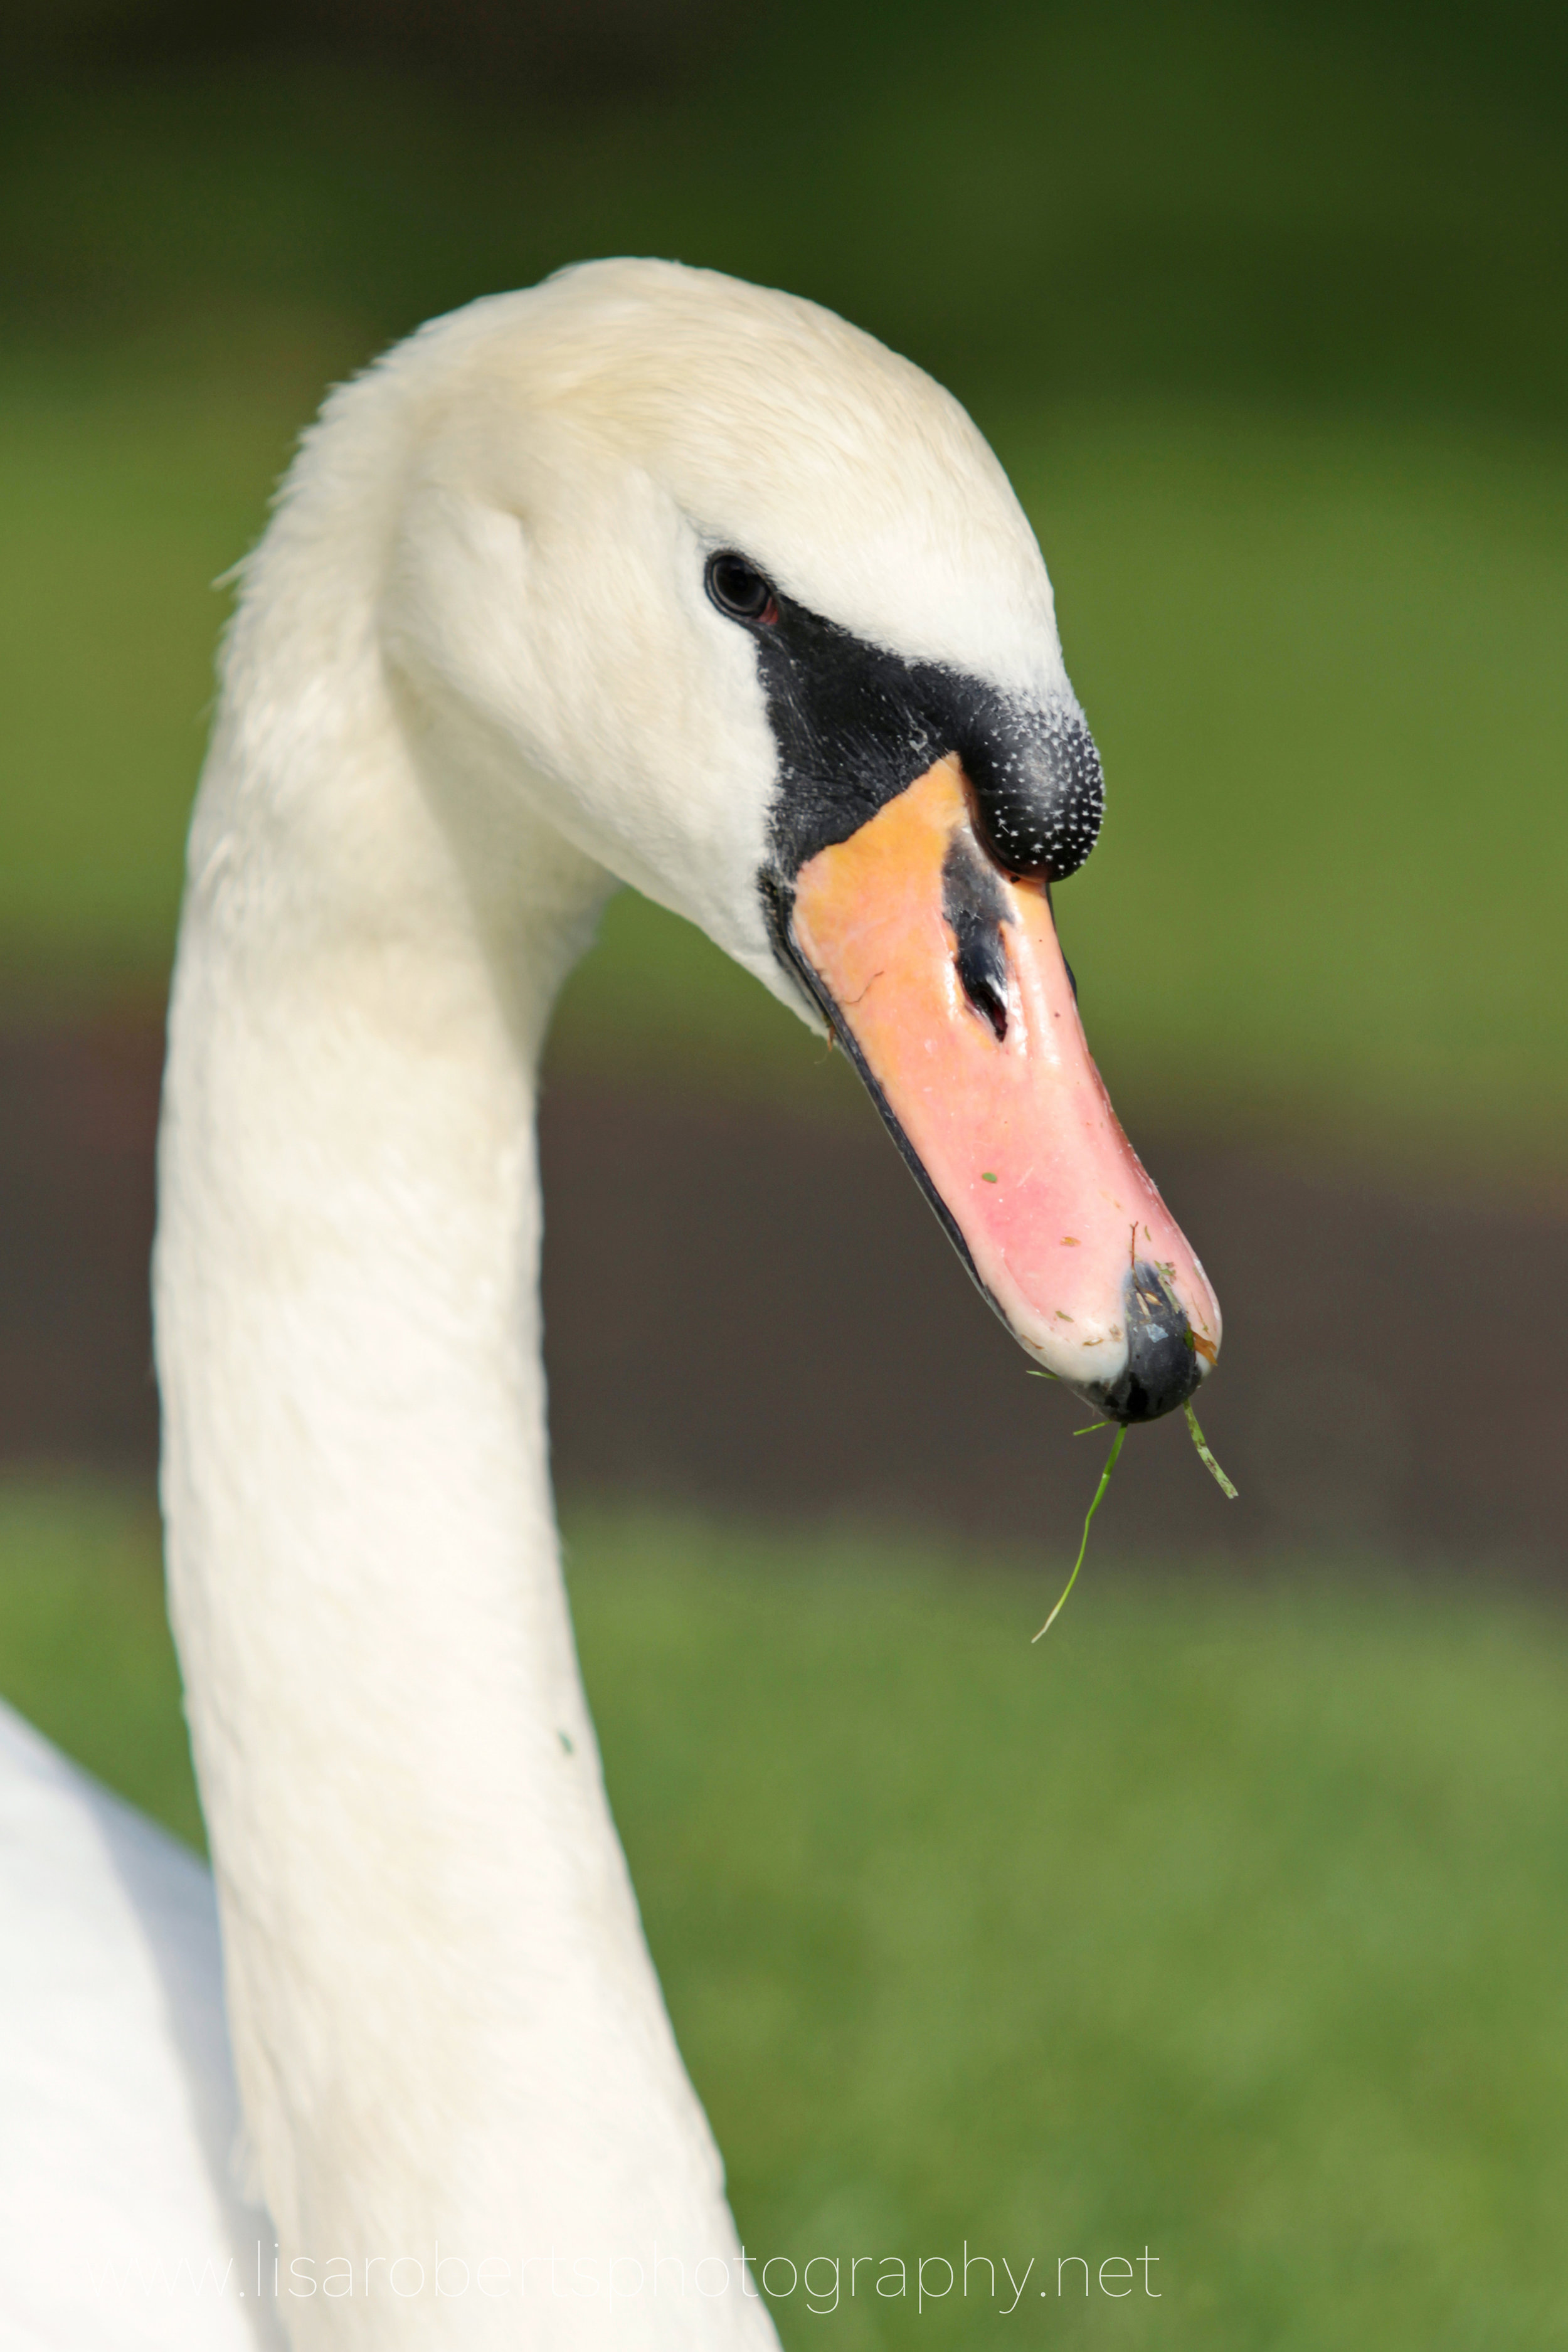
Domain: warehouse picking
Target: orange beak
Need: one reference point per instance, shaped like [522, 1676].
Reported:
[945, 979]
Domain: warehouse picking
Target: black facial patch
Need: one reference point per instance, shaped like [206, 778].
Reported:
[855, 725]
[975, 911]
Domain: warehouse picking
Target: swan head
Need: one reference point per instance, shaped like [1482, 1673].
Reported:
[743, 605]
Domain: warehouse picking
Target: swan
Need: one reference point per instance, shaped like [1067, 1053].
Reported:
[641, 576]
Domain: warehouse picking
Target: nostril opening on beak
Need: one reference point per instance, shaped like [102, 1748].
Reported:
[982, 962]
[975, 911]
[1163, 1368]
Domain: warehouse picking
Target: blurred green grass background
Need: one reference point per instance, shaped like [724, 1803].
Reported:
[1323, 663]
[1234, 1925]
[1231, 1928]
[1257, 303]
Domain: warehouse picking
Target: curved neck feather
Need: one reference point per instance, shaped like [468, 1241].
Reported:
[446, 2026]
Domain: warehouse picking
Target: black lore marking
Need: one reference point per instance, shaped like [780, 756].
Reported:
[975, 911]
[855, 725]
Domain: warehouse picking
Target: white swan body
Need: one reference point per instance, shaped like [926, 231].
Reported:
[483, 669]
[120, 2114]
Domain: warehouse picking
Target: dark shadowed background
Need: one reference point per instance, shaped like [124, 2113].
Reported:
[1262, 306]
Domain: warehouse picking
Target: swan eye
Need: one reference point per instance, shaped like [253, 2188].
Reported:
[738, 589]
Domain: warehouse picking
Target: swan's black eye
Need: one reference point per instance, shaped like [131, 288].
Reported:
[738, 589]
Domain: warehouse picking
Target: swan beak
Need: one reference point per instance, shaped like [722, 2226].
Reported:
[942, 977]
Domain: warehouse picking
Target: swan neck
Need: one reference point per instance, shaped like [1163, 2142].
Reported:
[447, 2029]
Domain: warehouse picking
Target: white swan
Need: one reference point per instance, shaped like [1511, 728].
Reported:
[641, 576]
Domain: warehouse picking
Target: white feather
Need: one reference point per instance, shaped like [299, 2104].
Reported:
[473, 683]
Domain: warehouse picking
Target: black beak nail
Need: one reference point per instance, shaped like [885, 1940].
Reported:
[1163, 1368]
